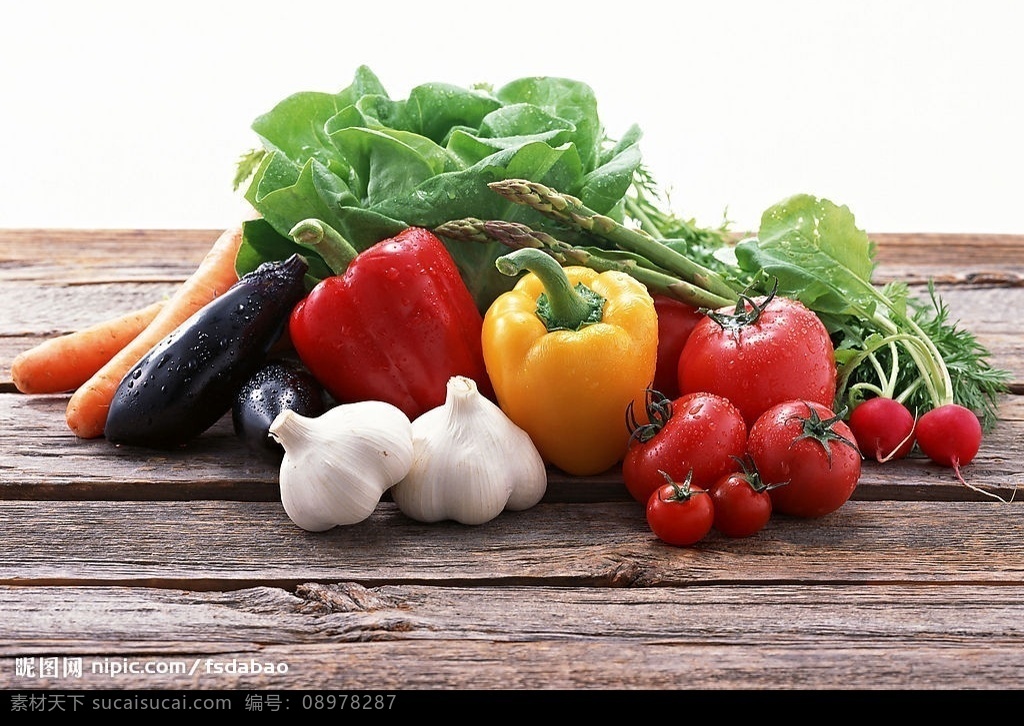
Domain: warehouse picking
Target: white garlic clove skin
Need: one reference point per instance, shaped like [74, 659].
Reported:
[337, 466]
[529, 478]
[449, 478]
[470, 462]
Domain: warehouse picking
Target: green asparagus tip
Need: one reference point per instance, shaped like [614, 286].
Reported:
[469, 229]
[308, 232]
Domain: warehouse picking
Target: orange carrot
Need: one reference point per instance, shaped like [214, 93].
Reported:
[66, 362]
[87, 410]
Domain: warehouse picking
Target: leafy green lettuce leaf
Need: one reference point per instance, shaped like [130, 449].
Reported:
[817, 253]
[369, 165]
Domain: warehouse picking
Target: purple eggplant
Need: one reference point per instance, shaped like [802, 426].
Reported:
[279, 385]
[189, 380]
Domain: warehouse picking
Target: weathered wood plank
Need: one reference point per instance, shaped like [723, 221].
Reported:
[103, 273]
[962, 258]
[36, 311]
[408, 637]
[46, 461]
[91, 256]
[112, 555]
[1002, 341]
[223, 545]
[46, 309]
[541, 666]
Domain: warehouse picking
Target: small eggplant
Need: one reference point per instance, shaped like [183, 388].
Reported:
[279, 385]
[189, 380]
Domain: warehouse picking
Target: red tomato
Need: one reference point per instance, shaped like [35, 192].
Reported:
[696, 435]
[743, 504]
[773, 350]
[809, 453]
[680, 514]
[676, 320]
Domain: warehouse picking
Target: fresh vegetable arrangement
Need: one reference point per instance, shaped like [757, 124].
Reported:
[478, 284]
[455, 446]
[759, 353]
[700, 437]
[279, 385]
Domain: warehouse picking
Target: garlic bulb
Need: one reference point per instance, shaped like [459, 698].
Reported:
[337, 466]
[470, 462]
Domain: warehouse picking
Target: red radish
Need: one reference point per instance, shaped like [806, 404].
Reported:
[883, 428]
[949, 435]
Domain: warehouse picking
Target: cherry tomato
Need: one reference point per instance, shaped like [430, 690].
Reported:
[743, 504]
[809, 453]
[759, 353]
[884, 428]
[676, 321]
[680, 514]
[697, 435]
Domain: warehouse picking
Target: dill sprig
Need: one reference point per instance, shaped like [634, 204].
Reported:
[977, 385]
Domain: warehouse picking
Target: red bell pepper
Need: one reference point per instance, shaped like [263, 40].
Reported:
[393, 324]
[676, 321]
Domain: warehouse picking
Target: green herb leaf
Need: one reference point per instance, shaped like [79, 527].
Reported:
[817, 253]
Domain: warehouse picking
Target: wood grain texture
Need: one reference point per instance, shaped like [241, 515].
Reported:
[226, 545]
[102, 273]
[120, 556]
[398, 637]
[46, 461]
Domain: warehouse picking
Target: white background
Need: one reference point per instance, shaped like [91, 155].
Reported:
[128, 114]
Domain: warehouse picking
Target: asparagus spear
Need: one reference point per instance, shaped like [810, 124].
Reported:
[570, 210]
[519, 236]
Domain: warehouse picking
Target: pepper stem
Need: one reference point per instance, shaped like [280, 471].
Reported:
[326, 241]
[561, 307]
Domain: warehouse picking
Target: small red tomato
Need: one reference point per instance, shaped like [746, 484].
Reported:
[676, 321]
[759, 353]
[680, 514]
[808, 455]
[697, 435]
[743, 504]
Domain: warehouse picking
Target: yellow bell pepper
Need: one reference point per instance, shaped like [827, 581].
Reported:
[567, 351]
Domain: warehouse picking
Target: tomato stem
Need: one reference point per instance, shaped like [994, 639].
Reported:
[821, 430]
[683, 491]
[659, 411]
[742, 317]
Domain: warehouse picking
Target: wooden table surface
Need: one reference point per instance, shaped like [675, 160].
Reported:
[180, 570]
